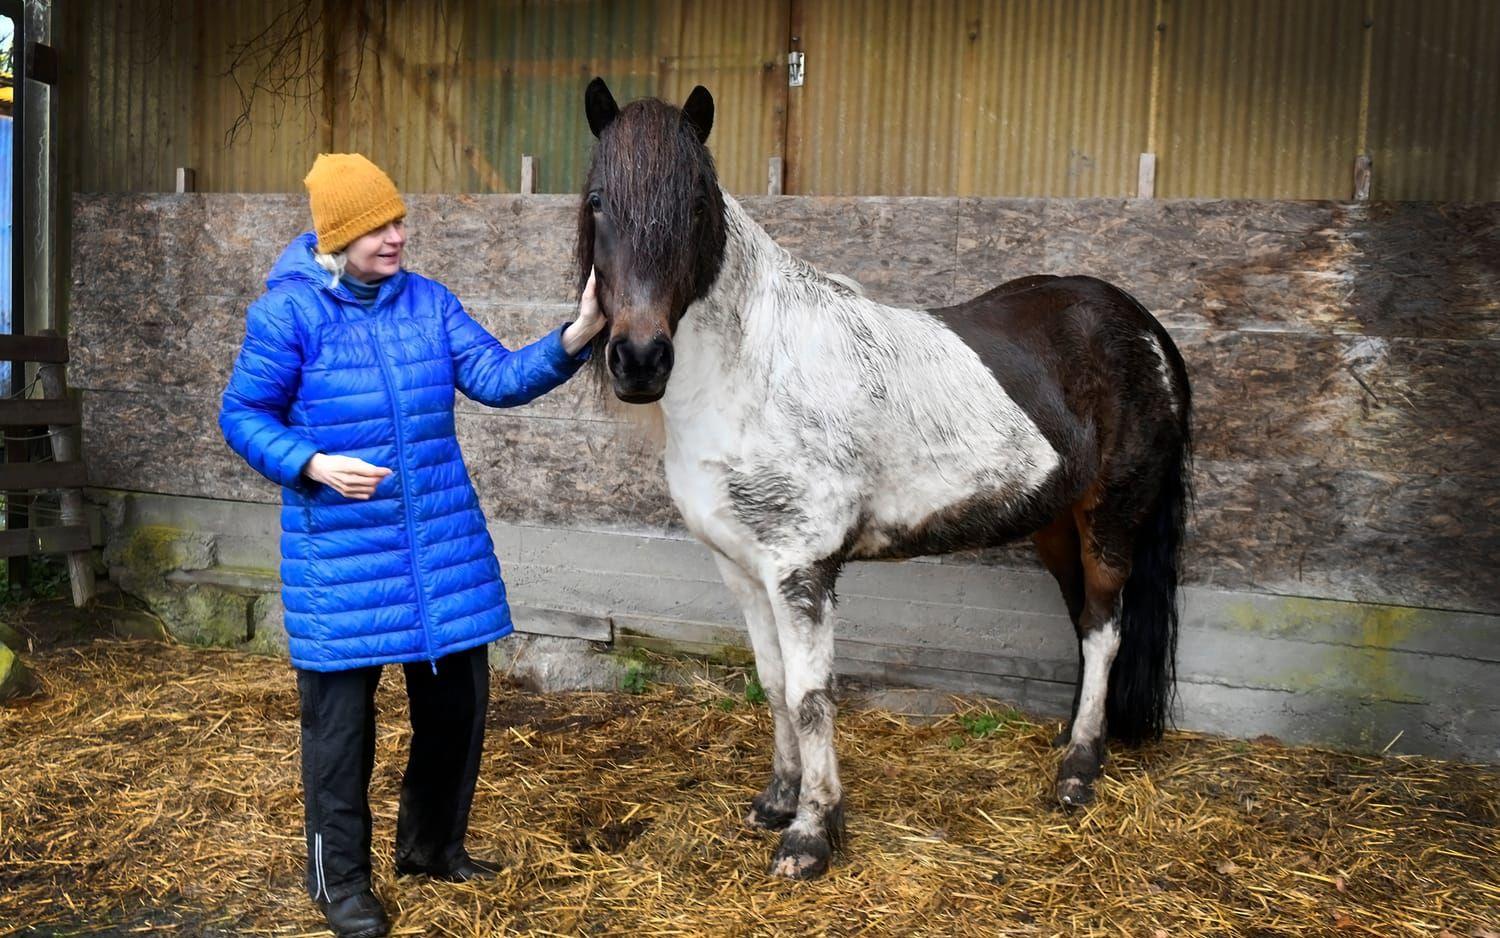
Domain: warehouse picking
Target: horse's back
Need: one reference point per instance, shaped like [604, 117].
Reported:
[1077, 350]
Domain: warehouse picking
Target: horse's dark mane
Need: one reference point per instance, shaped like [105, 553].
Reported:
[653, 172]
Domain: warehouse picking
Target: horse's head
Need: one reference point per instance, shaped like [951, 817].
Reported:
[651, 225]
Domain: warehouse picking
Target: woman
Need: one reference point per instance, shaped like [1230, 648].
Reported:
[343, 395]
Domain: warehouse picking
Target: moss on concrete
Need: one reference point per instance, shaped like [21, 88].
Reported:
[16, 679]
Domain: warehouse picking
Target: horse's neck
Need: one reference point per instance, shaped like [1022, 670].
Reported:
[764, 311]
[712, 372]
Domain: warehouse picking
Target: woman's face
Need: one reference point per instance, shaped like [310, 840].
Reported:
[377, 254]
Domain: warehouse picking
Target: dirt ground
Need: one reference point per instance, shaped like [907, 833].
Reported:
[153, 788]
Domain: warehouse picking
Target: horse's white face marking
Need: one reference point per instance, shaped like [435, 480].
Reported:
[1163, 369]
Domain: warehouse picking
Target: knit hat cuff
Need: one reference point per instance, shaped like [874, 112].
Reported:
[377, 216]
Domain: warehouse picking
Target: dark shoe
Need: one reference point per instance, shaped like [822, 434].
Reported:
[358, 916]
[463, 870]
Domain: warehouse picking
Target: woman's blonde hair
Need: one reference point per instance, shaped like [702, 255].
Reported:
[334, 264]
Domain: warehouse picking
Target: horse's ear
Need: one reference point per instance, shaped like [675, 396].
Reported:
[600, 106]
[699, 111]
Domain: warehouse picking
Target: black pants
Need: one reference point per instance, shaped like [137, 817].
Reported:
[338, 755]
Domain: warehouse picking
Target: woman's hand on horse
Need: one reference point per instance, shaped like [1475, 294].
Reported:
[350, 477]
[590, 319]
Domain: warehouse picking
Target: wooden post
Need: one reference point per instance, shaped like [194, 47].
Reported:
[18, 568]
[187, 180]
[773, 176]
[65, 449]
[528, 174]
[1363, 169]
[1145, 185]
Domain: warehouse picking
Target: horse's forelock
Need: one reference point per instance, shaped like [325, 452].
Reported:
[652, 169]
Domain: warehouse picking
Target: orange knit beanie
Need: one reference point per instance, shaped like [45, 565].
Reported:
[350, 197]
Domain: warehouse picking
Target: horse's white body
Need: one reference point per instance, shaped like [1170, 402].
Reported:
[892, 399]
[855, 418]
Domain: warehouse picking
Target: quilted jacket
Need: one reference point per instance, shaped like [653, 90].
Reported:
[410, 574]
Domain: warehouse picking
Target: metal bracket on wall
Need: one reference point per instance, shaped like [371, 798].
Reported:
[41, 63]
[795, 73]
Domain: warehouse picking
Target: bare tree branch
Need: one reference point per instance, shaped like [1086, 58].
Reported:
[285, 61]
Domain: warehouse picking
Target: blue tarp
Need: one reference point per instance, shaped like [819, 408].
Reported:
[7, 233]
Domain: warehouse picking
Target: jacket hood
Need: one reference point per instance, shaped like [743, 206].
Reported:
[296, 264]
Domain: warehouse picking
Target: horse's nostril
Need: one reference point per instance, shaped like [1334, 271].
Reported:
[640, 362]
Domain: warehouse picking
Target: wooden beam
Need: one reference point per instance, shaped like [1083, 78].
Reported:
[20, 476]
[187, 179]
[528, 174]
[37, 412]
[67, 448]
[33, 348]
[773, 176]
[17, 568]
[57, 539]
[1145, 184]
[1363, 170]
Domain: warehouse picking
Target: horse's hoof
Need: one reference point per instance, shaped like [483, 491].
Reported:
[774, 808]
[801, 856]
[1075, 792]
[758, 818]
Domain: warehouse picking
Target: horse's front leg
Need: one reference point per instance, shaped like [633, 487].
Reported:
[776, 805]
[803, 604]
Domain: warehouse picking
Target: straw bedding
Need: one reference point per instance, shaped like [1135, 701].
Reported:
[155, 788]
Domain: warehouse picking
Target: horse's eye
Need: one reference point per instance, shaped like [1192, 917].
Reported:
[595, 203]
[697, 208]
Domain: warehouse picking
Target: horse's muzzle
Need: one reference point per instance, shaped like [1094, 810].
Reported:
[640, 369]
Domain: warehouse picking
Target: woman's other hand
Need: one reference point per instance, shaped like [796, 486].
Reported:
[590, 320]
[350, 477]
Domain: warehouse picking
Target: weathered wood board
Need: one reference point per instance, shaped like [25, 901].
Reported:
[1343, 356]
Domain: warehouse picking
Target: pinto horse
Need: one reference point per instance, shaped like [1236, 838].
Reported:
[806, 426]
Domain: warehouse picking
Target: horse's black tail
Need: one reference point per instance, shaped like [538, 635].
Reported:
[1143, 679]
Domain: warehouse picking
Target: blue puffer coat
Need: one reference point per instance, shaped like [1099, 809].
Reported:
[410, 574]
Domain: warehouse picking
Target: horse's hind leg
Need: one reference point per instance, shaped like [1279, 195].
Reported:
[1104, 578]
[776, 805]
[1058, 546]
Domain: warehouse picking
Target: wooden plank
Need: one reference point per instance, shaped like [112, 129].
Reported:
[559, 623]
[773, 176]
[68, 448]
[36, 412]
[33, 348]
[19, 476]
[528, 174]
[187, 179]
[1363, 170]
[17, 569]
[1145, 184]
[56, 539]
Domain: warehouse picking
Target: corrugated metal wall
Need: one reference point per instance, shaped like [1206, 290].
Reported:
[971, 97]
[1259, 100]
[127, 93]
[526, 85]
[1434, 125]
[1264, 98]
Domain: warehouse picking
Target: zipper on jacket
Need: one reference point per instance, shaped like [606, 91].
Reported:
[411, 521]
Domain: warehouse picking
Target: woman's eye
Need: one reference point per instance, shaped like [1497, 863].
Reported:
[595, 202]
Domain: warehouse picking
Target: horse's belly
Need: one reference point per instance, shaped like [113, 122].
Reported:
[931, 501]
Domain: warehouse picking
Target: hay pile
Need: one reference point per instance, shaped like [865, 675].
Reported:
[156, 788]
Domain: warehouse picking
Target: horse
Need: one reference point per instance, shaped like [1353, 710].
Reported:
[805, 425]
